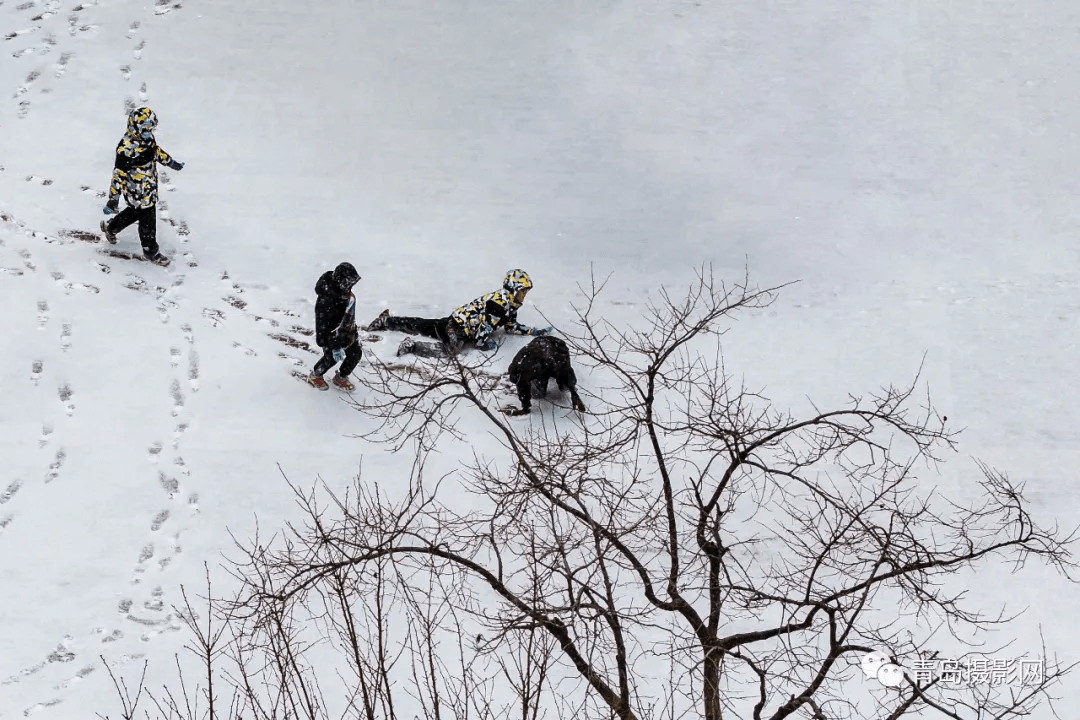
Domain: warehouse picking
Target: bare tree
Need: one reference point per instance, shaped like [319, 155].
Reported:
[687, 548]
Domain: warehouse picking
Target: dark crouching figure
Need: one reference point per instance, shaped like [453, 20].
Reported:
[544, 358]
[335, 326]
[135, 177]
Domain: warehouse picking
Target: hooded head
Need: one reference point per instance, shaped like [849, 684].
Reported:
[141, 123]
[345, 276]
[517, 283]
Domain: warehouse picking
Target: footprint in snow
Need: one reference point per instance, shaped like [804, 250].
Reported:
[16, 33]
[43, 313]
[154, 453]
[193, 503]
[163, 7]
[80, 235]
[177, 397]
[171, 624]
[113, 636]
[65, 336]
[67, 396]
[156, 603]
[35, 371]
[215, 317]
[293, 342]
[163, 306]
[55, 465]
[125, 72]
[25, 88]
[11, 271]
[295, 362]
[75, 28]
[159, 520]
[47, 13]
[174, 356]
[27, 261]
[61, 65]
[143, 96]
[69, 286]
[169, 484]
[12, 488]
[137, 53]
[246, 350]
[46, 431]
[38, 707]
[133, 28]
[145, 555]
[177, 433]
[76, 678]
[86, 189]
[193, 370]
[38, 180]
[63, 652]
[182, 466]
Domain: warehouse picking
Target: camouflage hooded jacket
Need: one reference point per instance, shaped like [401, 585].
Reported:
[479, 318]
[135, 169]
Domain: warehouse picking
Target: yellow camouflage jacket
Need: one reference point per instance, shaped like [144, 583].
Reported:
[135, 170]
[483, 315]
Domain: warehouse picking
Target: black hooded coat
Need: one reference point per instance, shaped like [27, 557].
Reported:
[335, 314]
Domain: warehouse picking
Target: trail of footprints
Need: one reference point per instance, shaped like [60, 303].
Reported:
[150, 617]
[153, 615]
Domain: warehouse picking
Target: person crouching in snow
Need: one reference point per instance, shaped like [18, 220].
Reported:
[335, 326]
[135, 176]
[473, 323]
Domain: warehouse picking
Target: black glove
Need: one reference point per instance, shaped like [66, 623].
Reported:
[176, 165]
[112, 206]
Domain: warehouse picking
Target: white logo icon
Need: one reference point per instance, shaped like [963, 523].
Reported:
[876, 665]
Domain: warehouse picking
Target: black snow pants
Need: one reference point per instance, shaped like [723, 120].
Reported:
[446, 330]
[353, 353]
[147, 219]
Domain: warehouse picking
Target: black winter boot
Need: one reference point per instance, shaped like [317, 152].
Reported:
[378, 323]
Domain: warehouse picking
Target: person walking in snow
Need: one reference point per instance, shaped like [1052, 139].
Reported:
[472, 323]
[135, 177]
[335, 326]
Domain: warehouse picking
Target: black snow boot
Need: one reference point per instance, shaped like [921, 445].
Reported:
[378, 323]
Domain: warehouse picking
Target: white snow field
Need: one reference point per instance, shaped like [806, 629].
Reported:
[913, 164]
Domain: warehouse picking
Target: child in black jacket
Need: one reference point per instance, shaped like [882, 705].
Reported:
[335, 326]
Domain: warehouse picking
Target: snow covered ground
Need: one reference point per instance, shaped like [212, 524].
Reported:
[913, 165]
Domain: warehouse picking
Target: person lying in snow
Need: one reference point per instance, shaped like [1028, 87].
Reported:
[473, 323]
[335, 326]
[135, 176]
